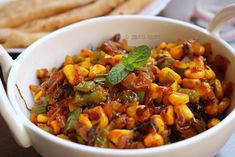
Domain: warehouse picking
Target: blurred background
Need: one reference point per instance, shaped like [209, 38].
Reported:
[18, 30]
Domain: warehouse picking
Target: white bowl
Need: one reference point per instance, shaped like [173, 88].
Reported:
[51, 50]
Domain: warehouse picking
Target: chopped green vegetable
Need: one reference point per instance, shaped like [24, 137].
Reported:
[96, 97]
[97, 56]
[140, 96]
[136, 59]
[77, 59]
[85, 86]
[101, 139]
[39, 109]
[194, 95]
[165, 62]
[71, 119]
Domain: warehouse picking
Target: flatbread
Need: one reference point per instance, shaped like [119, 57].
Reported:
[98, 8]
[20, 11]
[5, 33]
[130, 7]
[21, 39]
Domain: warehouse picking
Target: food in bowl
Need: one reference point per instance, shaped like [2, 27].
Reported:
[129, 97]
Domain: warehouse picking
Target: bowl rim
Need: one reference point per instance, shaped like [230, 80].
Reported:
[104, 151]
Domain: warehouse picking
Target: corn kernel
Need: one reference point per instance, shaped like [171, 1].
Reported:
[72, 107]
[96, 70]
[153, 139]
[177, 52]
[178, 98]
[103, 119]
[42, 118]
[191, 83]
[153, 53]
[209, 73]
[167, 75]
[174, 86]
[212, 109]
[170, 45]
[213, 122]
[115, 134]
[162, 45]
[68, 60]
[183, 110]
[55, 126]
[83, 119]
[37, 97]
[151, 59]
[86, 63]
[158, 122]
[86, 53]
[69, 73]
[118, 56]
[131, 110]
[168, 115]
[219, 92]
[63, 136]
[84, 71]
[188, 73]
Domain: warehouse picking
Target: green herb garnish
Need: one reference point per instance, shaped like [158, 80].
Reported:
[136, 59]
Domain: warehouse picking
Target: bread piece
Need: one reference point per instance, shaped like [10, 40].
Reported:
[19, 39]
[98, 8]
[131, 7]
[18, 12]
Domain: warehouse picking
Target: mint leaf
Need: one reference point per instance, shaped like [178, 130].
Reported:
[125, 60]
[117, 74]
[139, 56]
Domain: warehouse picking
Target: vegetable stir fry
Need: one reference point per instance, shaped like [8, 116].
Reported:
[124, 97]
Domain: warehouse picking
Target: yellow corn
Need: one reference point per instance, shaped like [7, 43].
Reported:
[130, 123]
[68, 60]
[142, 113]
[153, 90]
[103, 119]
[151, 59]
[63, 136]
[118, 56]
[55, 126]
[84, 71]
[167, 75]
[42, 118]
[209, 73]
[131, 110]
[37, 97]
[86, 53]
[159, 123]
[194, 75]
[191, 83]
[86, 63]
[69, 73]
[168, 115]
[83, 119]
[213, 122]
[183, 110]
[177, 52]
[95, 70]
[174, 86]
[153, 139]
[218, 89]
[224, 104]
[178, 98]
[170, 45]
[115, 134]
[72, 107]
[153, 53]
[162, 45]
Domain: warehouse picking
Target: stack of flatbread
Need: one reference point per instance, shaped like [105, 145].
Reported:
[24, 21]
